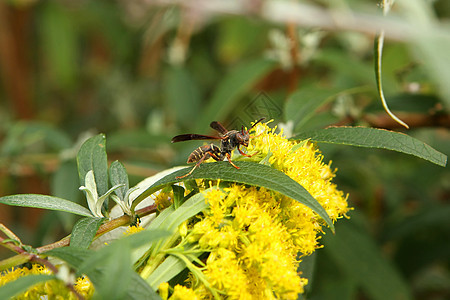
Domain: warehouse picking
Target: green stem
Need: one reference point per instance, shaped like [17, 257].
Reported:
[157, 255]
[197, 273]
[24, 256]
[15, 260]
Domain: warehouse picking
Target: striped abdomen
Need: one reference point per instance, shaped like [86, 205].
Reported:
[205, 150]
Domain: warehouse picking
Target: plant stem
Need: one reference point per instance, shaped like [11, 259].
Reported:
[24, 256]
[104, 228]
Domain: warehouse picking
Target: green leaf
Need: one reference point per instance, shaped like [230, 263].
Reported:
[375, 138]
[92, 156]
[178, 195]
[307, 267]
[249, 173]
[235, 84]
[59, 32]
[84, 232]
[430, 44]
[136, 240]
[139, 289]
[167, 270]
[64, 184]
[23, 136]
[144, 237]
[88, 262]
[378, 50]
[20, 285]
[46, 202]
[169, 219]
[183, 95]
[302, 105]
[75, 257]
[356, 254]
[72, 255]
[118, 175]
[116, 271]
[265, 160]
[125, 139]
[188, 209]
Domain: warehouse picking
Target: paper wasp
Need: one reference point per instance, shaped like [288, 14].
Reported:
[229, 140]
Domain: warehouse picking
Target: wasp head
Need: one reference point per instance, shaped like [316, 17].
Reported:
[243, 137]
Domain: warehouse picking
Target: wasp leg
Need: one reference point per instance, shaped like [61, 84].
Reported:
[229, 160]
[206, 156]
[255, 136]
[215, 157]
[245, 154]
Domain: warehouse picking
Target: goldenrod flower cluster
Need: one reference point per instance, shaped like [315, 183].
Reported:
[254, 235]
[52, 289]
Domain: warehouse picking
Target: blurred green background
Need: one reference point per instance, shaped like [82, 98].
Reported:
[143, 71]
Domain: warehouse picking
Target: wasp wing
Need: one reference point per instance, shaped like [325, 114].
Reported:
[219, 127]
[193, 136]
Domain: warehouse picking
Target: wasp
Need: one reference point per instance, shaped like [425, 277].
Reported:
[229, 140]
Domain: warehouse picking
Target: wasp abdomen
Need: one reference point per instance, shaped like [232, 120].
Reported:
[205, 152]
[198, 153]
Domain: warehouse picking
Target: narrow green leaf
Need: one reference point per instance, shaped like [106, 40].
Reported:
[378, 50]
[75, 257]
[178, 195]
[430, 44]
[125, 139]
[356, 254]
[139, 289]
[188, 209]
[169, 219]
[116, 271]
[375, 138]
[301, 105]
[72, 255]
[58, 31]
[167, 270]
[20, 285]
[307, 267]
[135, 241]
[22, 135]
[144, 237]
[45, 202]
[118, 175]
[298, 146]
[64, 184]
[249, 173]
[84, 232]
[182, 95]
[92, 156]
[235, 84]
[265, 160]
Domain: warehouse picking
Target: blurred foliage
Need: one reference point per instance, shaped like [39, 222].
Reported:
[142, 73]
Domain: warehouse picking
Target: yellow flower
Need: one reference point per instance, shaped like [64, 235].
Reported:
[304, 165]
[84, 287]
[183, 293]
[163, 290]
[225, 273]
[52, 289]
[163, 199]
[254, 235]
[133, 229]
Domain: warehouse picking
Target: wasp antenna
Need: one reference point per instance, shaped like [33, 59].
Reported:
[256, 123]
